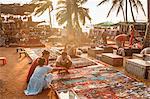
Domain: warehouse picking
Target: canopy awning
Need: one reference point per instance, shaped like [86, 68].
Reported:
[104, 24]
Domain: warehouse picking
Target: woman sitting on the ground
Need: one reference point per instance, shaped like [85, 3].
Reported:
[45, 55]
[64, 60]
[39, 79]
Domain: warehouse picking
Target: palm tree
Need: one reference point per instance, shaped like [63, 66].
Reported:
[42, 6]
[72, 13]
[119, 4]
[80, 14]
[147, 34]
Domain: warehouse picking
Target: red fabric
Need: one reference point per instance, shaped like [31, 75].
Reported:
[121, 38]
[59, 67]
[32, 68]
[131, 38]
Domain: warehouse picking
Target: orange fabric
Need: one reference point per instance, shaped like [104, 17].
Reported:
[32, 68]
[121, 38]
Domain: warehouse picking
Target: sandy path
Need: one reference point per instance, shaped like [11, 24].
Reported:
[13, 75]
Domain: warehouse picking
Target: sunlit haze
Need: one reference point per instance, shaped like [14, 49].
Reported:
[98, 14]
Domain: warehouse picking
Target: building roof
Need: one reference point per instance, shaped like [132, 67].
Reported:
[129, 23]
[17, 9]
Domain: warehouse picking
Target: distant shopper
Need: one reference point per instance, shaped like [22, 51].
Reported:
[120, 40]
[132, 33]
[104, 37]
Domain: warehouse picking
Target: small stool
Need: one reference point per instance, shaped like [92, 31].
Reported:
[19, 48]
[4, 60]
[22, 52]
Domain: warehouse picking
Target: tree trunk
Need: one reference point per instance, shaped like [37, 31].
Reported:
[147, 34]
[132, 11]
[50, 19]
[69, 21]
[126, 10]
[126, 15]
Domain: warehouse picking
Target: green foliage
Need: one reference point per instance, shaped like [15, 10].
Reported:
[72, 13]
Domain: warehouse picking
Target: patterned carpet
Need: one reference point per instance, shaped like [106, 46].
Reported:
[100, 82]
[91, 81]
[77, 62]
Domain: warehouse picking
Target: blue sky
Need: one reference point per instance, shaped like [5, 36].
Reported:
[98, 14]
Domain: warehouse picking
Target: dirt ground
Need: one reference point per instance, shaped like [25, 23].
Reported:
[13, 76]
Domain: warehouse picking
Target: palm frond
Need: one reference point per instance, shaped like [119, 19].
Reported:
[123, 13]
[61, 2]
[61, 7]
[120, 7]
[58, 14]
[134, 5]
[40, 10]
[102, 2]
[111, 9]
[82, 1]
[141, 6]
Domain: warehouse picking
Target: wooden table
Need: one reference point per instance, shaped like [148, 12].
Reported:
[98, 50]
[130, 51]
[140, 56]
[93, 51]
[112, 59]
[137, 67]
[137, 56]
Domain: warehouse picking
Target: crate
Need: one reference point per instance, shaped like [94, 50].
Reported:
[137, 67]
[129, 51]
[147, 57]
[140, 56]
[93, 51]
[112, 59]
[137, 56]
[108, 49]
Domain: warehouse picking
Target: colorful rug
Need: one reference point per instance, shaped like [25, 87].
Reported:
[77, 62]
[101, 82]
[38, 52]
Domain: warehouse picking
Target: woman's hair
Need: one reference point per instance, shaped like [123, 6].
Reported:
[41, 61]
[131, 26]
[45, 52]
[64, 53]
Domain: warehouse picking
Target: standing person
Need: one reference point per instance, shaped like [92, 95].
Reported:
[132, 33]
[64, 60]
[120, 40]
[7, 40]
[40, 79]
[45, 55]
[104, 37]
